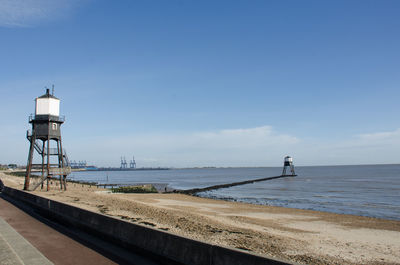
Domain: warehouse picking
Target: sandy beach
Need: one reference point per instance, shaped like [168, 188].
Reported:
[307, 237]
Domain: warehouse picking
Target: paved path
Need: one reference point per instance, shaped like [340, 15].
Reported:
[25, 240]
[15, 249]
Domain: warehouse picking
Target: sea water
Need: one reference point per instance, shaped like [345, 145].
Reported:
[367, 190]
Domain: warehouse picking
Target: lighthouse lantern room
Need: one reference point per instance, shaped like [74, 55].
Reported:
[47, 105]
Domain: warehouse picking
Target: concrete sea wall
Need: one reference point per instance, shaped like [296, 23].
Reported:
[138, 238]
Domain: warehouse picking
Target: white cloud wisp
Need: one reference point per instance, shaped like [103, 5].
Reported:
[233, 147]
[27, 13]
[259, 146]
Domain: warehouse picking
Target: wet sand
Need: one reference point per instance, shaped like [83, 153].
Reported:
[308, 237]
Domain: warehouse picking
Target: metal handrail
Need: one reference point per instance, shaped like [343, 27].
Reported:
[60, 171]
[38, 147]
[53, 170]
[61, 118]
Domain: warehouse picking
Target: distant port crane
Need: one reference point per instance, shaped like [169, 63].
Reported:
[79, 164]
[124, 164]
[132, 164]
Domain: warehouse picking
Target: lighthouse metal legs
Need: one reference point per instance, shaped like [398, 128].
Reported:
[63, 164]
[48, 162]
[60, 164]
[43, 146]
[29, 166]
[47, 168]
[291, 167]
[292, 170]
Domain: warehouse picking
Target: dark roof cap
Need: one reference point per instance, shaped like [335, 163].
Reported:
[47, 95]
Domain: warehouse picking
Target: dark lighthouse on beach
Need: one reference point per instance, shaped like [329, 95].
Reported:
[46, 129]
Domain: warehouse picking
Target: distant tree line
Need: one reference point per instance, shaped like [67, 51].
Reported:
[10, 166]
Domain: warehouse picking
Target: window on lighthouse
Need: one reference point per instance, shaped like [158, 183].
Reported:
[54, 126]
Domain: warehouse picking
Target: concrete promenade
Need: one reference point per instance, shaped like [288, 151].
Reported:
[151, 246]
[15, 249]
[25, 240]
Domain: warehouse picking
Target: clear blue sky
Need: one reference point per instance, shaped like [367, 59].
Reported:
[206, 83]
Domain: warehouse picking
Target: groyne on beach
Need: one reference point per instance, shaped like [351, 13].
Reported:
[228, 185]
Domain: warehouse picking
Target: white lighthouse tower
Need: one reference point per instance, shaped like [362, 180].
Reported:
[46, 129]
[288, 164]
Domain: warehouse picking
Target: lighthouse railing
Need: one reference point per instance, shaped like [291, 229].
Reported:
[33, 117]
[60, 171]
